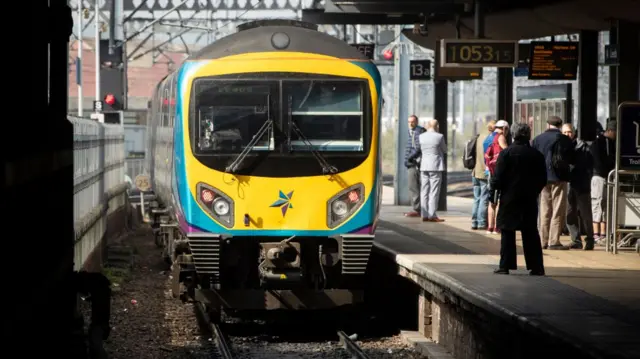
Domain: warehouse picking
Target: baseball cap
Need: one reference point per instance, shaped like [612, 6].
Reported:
[502, 123]
[612, 125]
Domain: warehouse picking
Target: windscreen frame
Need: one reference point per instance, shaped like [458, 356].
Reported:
[344, 160]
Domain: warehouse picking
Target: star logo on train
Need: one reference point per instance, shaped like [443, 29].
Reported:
[284, 202]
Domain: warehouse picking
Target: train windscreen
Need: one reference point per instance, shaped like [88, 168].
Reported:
[229, 115]
[328, 113]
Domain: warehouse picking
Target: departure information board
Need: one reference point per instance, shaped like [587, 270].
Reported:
[454, 73]
[552, 60]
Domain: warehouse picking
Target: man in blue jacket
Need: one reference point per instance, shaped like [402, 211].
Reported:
[553, 198]
[412, 163]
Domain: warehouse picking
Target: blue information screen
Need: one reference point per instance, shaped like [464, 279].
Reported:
[629, 122]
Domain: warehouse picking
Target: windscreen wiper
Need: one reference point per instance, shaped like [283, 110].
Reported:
[327, 168]
[267, 125]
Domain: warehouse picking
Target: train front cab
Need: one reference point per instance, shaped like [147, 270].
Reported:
[306, 263]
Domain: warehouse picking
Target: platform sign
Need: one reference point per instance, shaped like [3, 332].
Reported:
[367, 50]
[479, 52]
[522, 68]
[143, 183]
[454, 73]
[611, 54]
[420, 70]
[98, 106]
[629, 136]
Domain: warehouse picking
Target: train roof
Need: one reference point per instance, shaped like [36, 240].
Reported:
[267, 36]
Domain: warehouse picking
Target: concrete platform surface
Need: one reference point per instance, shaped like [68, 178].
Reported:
[590, 298]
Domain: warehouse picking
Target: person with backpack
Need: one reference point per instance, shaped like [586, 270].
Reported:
[559, 154]
[474, 160]
[579, 196]
[491, 153]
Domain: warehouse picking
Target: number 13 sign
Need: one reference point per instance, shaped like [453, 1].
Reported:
[420, 70]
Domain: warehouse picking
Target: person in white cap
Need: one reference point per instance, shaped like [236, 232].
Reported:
[498, 143]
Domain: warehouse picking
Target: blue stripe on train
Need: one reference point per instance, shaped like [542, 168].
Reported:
[185, 199]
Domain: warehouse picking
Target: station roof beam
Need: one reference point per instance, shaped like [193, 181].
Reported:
[505, 19]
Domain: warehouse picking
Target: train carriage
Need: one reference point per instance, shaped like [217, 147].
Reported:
[265, 160]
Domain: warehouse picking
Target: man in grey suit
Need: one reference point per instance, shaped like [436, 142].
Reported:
[432, 150]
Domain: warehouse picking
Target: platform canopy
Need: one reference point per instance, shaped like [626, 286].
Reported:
[505, 19]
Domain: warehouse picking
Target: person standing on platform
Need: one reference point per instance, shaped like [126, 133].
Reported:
[432, 149]
[412, 163]
[519, 177]
[479, 177]
[603, 150]
[579, 197]
[559, 157]
[491, 153]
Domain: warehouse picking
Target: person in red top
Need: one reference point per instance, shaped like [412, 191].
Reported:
[498, 144]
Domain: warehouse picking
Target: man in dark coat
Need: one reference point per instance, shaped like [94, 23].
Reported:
[520, 176]
[579, 197]
[412, 163]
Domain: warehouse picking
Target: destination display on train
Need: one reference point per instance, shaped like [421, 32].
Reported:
[553, 60]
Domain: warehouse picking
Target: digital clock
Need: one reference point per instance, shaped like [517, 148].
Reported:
[479, 52]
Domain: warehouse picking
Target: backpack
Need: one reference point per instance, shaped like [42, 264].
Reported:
[562, 157]
[469, 154]
[491, 156]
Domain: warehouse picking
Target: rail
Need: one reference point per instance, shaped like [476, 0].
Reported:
[457, 178]
[351, 347]
[223, 349]
[453, 177]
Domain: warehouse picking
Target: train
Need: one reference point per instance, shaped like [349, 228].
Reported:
[265, 165]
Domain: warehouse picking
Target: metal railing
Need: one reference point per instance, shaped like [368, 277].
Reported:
[134, 167]
[99, 186]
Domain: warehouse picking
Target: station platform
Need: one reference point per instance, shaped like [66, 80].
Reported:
[589, 300]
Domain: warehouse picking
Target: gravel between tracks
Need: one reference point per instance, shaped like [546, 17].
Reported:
[383, 348]
[148, 323]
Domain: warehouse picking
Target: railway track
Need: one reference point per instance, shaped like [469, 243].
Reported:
[453, 177]
[350, 346]
[459, 180]
[221, 349]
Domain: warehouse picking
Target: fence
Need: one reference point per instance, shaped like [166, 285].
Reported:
[134, 167]
[99, 188]
[135, 147]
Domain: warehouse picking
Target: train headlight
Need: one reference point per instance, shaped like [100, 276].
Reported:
[221, 207]
[339, 208]
[344, 204]
[216, 203]
[280, 40]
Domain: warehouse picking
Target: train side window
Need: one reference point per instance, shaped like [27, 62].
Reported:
[165, 104]
[172, 101]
